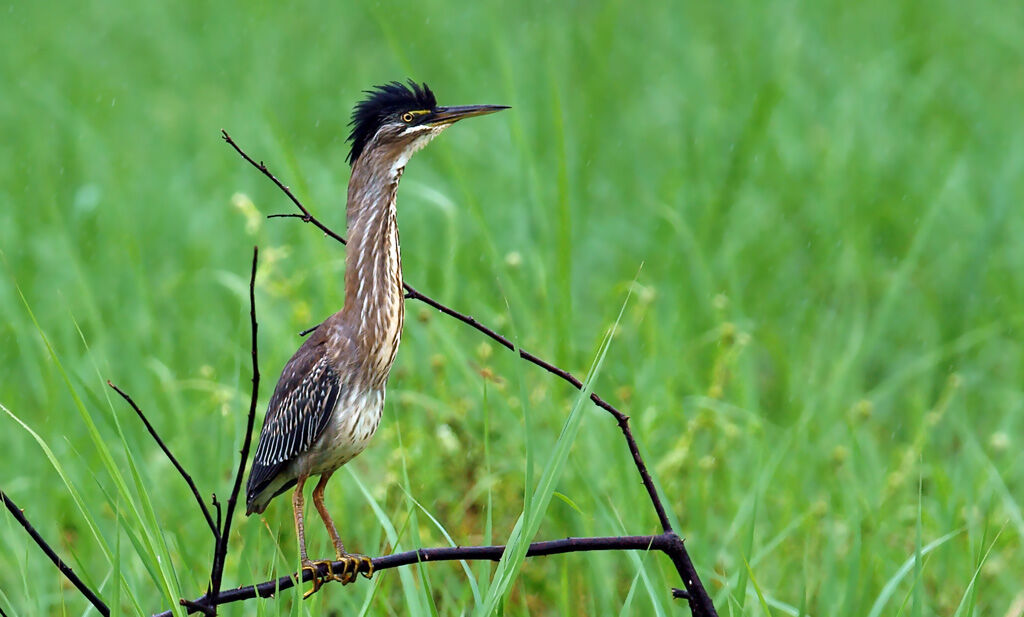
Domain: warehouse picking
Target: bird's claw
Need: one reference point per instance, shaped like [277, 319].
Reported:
[314, 569]
[316, 579]
[368, 571]
[353, 566]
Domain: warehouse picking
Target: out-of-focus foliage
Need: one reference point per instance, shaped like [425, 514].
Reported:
[816, 207]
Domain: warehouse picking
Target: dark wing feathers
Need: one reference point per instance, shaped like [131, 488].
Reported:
[299, 411]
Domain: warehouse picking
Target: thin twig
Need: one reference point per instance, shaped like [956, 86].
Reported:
[662, 542]
[217, 572]
[216, 504]
[181, 470]
[700, 603]
[308, 330]
[308, 218]
[695, 594]
[19, 515]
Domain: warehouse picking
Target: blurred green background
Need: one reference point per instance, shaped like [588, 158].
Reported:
[813, 207]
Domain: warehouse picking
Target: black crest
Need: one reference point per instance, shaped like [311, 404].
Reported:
[382, 102]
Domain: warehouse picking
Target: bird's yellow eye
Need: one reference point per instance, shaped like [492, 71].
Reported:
[407, 117]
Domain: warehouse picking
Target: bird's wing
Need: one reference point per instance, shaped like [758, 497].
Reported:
[302, 404]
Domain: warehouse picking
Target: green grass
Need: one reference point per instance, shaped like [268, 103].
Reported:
[821, 357]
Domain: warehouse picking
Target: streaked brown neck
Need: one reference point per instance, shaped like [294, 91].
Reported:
[374, 308]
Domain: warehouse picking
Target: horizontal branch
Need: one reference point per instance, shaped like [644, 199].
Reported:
[665, 543]
[57, 561]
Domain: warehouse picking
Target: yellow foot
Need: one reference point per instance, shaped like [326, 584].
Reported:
[351, 567]
[314, 568]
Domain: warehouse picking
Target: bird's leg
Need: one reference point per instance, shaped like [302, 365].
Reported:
[352, 563]
[318, 501]
[300, 532]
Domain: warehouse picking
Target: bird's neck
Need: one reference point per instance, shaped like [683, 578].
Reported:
[374, 308]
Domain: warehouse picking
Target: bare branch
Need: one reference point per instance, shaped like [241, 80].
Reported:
[414, 294]
[57, 561]
[700, 602]
[668, 542]
[308, 330]
[198, 607]
[217, 571]
[664, 543]
[287, 191]
[216, 504]
[566, 376]
[181, 470]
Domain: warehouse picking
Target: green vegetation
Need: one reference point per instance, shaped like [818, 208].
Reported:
[814, 206]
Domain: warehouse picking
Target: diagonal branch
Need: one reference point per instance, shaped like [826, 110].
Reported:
[621, 418]
[665, 543]
[101, 608]
[306, 216]
[217, 571]
[181, 470]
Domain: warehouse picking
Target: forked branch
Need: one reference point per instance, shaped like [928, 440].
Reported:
[667, 542]
[222, 528]
[414, 294]
[700, 602]
[217, 571]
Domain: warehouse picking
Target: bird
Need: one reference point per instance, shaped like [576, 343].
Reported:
[328, 401]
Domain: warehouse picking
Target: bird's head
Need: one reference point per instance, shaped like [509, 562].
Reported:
[395, 120]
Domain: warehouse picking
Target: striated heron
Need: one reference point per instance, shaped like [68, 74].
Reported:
[328, 401]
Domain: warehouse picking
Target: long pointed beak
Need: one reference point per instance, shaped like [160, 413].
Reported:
[448, 115]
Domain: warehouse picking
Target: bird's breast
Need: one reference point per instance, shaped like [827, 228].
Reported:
[352, 425]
